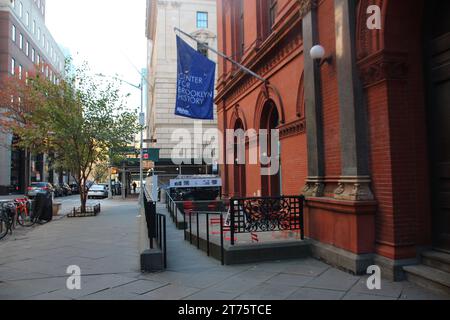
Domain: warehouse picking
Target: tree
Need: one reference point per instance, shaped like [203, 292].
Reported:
[100, 172]
[79, 120]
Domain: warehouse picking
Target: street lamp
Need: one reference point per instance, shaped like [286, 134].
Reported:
[318, 52]
[142, 123]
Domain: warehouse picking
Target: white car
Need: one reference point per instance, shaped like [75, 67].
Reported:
[98, 191]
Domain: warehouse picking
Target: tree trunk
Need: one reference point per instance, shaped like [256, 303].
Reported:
[83, 197]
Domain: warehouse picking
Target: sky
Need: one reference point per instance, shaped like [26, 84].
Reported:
[108, 34]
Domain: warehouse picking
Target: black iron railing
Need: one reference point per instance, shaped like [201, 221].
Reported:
[175, 208]
[264, 214]
[207, 217]
[156, 225]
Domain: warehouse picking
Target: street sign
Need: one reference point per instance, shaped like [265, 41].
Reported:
[151, 154]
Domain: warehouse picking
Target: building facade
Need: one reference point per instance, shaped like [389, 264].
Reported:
[363, 135]
[197, 18]
[26, 47]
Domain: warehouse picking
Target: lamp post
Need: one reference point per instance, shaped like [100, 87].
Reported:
[142, 123]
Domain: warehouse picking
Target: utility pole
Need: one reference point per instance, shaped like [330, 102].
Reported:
[142, 123]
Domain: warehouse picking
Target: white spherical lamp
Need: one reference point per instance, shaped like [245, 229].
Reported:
[317, 52]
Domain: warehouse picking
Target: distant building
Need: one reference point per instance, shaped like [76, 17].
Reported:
[26, 45]
[197, 18]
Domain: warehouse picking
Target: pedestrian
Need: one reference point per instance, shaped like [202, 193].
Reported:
[134, 187]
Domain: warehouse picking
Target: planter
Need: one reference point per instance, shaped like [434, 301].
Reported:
[56, 209]
[91, 211]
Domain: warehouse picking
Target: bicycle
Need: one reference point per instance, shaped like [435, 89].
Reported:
[7, 217]
[24, 216]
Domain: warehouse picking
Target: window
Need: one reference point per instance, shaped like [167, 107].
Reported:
[27, 19]
[33, 55]
[241, 34]
[34, 27]
[13, 66]
[13, 33]
[21, 42]
[202, 20]
[272, 13]
[13, 3]
[21, 10]
[202, 48]
[20, 72]
[27, 49]
[39, 34]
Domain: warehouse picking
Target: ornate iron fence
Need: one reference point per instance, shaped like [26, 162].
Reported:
[265, 214]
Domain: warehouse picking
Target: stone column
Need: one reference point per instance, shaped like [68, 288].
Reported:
[355, 181]
[313, 105]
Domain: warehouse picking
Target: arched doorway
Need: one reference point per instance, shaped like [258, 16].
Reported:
[240, 189]
[270, 120]
[437, 61]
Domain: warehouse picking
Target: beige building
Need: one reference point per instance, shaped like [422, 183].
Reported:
[197, 18]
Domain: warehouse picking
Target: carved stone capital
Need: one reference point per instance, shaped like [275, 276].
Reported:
[383, 66]
[354, 189]
[306, 6]
[314, 187]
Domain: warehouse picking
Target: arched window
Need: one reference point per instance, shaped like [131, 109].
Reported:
[270, 120]
[240, 189]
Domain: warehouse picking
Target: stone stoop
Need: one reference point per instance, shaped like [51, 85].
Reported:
[433, 273]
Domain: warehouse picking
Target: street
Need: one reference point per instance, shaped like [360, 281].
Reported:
[33, 265]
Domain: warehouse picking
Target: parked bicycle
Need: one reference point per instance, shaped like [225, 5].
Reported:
[21, 212]
[7, 216]
[24, 213]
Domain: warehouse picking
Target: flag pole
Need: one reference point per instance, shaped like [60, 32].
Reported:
[223, 56]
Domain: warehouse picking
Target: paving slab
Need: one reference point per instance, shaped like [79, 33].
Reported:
[388, 289]
[363, 296]
[170, 292]
[290, 279]
[316, 294]
[211, 295]
[268, 291]
[334, 279]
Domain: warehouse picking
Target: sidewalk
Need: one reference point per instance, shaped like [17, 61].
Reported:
[105, 248]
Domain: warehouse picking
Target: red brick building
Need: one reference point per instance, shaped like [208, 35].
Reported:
[364, 135]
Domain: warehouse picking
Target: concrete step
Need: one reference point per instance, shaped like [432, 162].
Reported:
[430, 278]
[437, 260]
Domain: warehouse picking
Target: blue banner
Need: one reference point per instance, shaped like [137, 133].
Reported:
[195, 83]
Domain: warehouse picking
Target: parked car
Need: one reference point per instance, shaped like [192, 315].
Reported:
[98, 191]
[75, 189]
[66, 189]
[39, 187]
[59, 192]
[104, 184]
